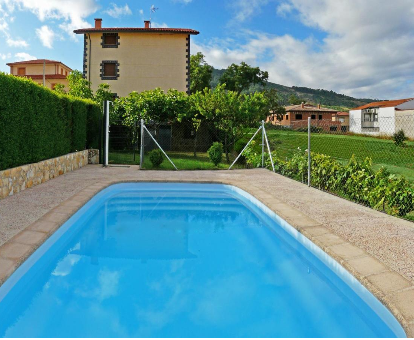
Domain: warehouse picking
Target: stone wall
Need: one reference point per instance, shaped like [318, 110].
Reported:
[26, 176]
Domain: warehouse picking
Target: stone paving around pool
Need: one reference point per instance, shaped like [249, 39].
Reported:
[376, 248]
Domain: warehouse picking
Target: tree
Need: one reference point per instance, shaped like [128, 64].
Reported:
[294, 100]
[230, 113]
[59, 88]
[239, 77]
[78, 86]
[274, 103]
[102, 94]
[200, 73]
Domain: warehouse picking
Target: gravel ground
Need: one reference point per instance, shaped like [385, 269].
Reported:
[386, 238]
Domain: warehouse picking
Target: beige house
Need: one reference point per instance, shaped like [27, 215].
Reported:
[55, 72]
[137, 58]
[343, 118]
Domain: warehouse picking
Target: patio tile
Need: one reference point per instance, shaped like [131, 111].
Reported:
[389, 282]
[44, 226]
[30, 237]
[14, 250]
[314, 231]
[404, 301]
[56, 217]
[367, 265]
[6, 268]
[346, 250]
[329, 239]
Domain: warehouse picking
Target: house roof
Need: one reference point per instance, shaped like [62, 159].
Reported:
[136, 30]
[308, 108]
[385, 103]
[47, 76]
[343, 113]
[37, 61]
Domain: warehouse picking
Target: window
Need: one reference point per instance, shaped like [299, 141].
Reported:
[109, 70]
[333, 128]
[320, 117]
[66, 73]
[313, 117]
[287, 117]
[298, 116]
[110, 40]
[21, 71]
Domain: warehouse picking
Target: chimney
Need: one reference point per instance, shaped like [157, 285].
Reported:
[302, 105]
[147, 23]
[319, 106]
[98, 23]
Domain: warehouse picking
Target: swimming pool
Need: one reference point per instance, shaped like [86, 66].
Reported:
[185, 260]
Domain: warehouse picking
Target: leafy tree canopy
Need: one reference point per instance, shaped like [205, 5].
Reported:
[79, 86]
[240, 77]
[275, 103]
[200, 73]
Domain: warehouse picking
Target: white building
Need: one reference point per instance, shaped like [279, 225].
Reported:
[383, 118]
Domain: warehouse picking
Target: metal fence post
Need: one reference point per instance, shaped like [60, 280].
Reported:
[309, 151]
[141, 150]
[263, 145]
[106, 162]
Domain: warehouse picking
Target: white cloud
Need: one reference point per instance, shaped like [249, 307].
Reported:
[367, 51]
[183, 1]
[244, 9]
[46, 36]
[141, 12]
[16, 43]
[24, 56]
[157, 25]
[117, 11]
[5, 56]
[71, 12]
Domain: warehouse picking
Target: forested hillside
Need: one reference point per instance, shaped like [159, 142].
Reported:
[315, 96]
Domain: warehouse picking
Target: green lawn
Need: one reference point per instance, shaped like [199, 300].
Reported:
[182, 160]
[399, 160]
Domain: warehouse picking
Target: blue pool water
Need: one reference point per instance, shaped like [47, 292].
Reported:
[185, 260]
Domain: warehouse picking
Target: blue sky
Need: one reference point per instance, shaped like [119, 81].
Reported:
[362, 48]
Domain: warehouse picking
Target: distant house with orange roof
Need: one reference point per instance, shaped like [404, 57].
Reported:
[383, 118]
[55, 71]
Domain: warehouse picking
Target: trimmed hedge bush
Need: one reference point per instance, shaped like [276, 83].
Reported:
[215, 153]
[37, 124]
[156, 157]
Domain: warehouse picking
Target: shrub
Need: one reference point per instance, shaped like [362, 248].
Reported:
[156, 157]
[399, 138]
[37, 123]
[215, 153]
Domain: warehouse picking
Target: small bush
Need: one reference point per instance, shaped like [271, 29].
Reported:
[215, 153]
[399, 138]
[156, 157]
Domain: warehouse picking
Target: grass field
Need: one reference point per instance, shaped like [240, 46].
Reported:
[383, 152]
[182, 160]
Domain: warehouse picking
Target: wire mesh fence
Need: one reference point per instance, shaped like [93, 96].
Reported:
[368, 160]
[185, 145]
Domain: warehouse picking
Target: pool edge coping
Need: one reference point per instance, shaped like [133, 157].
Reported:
[369, 271]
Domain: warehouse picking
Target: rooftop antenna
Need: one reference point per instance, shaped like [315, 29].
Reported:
[152, 10]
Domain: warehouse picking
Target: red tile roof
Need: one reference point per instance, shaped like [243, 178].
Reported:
[386, 103]
[47, 76]
[308, 108]
[136, 29]
[37, 61]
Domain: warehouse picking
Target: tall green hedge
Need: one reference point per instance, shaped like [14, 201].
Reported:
[37, 123]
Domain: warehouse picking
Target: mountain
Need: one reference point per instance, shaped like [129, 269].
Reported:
[315, 96]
